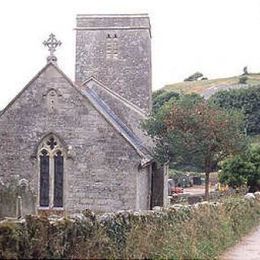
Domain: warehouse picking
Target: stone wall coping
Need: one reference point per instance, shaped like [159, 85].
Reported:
[113, 22]
[113, 28]
[141, 15]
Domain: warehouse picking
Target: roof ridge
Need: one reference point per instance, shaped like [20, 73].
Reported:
[114, 94]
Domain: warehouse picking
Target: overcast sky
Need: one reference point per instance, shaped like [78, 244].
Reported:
[215, 37]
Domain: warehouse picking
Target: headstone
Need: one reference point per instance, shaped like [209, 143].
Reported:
[19, 207]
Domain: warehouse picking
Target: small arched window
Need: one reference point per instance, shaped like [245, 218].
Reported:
[51, 181]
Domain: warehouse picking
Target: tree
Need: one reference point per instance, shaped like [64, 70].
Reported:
[246, 100]
[242, 170]
[253, 180]
[160, 97]
[195, 76]
[194, 132]
[234, 171]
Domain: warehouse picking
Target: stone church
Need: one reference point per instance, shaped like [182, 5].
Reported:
[79, 144]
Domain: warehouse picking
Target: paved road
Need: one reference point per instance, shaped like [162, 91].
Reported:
[247, 249]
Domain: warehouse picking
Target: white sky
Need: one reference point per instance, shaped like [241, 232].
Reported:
[215, 37]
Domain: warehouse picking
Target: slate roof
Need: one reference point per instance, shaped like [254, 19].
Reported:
[122, 128]
[130, 115]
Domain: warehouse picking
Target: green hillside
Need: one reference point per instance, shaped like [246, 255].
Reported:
[202, 86]
[209, 87]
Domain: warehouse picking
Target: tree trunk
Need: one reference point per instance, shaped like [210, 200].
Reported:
[207, 186]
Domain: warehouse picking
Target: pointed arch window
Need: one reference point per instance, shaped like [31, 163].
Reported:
[44, 178]
[58, 179]
[51, 180]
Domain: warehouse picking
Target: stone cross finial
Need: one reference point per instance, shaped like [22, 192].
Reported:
[52, 43]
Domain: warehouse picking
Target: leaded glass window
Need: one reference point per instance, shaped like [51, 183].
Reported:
[44, 178]
[58, 180]
[51, 177]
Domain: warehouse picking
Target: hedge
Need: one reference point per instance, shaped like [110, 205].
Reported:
[201, 231]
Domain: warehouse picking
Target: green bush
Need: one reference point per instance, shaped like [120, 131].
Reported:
[160, 97]
[243, 170]
[246, 100]
[202, 231]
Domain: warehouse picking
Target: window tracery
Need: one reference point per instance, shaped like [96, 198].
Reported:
[51, 157]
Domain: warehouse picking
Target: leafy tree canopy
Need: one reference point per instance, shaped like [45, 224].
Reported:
[191, 131]
[247, 100]
[190, 128]
[242, 170]
[160, 97]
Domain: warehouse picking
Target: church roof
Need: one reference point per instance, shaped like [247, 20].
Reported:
[130, 114]
[103, 108]
[122, 128]
[93, 83]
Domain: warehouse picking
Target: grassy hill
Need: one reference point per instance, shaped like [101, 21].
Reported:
[209, 87]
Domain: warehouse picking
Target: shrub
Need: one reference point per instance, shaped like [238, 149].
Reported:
[242, 170]
[246, 100]
[180, 232]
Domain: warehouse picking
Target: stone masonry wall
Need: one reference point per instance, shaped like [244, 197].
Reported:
[144, 189]
[129, 73]
[101, 168]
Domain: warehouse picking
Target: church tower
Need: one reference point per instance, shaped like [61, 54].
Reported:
[116, 50]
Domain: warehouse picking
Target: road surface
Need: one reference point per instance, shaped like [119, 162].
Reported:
[247, 249]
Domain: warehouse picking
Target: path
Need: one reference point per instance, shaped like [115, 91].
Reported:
[197, 190]
[247, 249]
